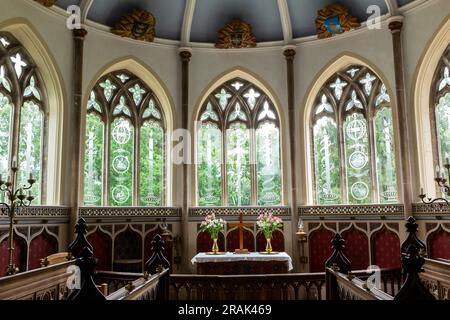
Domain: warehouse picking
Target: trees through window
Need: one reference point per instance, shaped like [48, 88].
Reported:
[353, 140]
[124, 144]
[23, 119]
[238, 148]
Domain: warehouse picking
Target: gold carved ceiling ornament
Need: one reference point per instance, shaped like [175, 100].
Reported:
[335, 19]
[138, 25]
[47, 3]
[236, 34]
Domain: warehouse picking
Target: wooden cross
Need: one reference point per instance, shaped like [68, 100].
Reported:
[240, 227]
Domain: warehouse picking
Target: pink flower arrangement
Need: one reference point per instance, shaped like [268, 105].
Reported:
[268, 223]
[212, 225]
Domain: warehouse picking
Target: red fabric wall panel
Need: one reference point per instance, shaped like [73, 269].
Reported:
[20, 255]
[102, 244]
[386, 249]
[204, 242]
[277, 241]
[356, 248]
[40, 247]
[319, 249]
[233, 240]
[439, 244]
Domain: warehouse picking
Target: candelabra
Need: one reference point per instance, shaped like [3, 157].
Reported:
[442, 183]
[15, 200]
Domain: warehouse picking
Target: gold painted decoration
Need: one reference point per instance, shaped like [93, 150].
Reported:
[335, 19]
[47, 3]
[236, 34]
[138, 25]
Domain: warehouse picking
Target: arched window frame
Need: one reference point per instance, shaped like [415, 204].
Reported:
[377, 100]
[22, 91]
[252, 122]
[439, 89]
[138, 117]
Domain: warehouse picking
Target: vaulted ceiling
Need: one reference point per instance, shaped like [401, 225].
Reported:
[200, 20]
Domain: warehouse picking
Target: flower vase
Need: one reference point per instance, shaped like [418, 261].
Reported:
[215, 247]
[268, 245]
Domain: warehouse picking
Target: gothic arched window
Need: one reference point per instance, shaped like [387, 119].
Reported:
[441, 110]
[125, 144]
[238, 148]
[353, 140]
[23, 119]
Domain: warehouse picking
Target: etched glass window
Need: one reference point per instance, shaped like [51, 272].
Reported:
[353, 140]
[124, 159]
[21, 138]
[441, 113]
[238, 148]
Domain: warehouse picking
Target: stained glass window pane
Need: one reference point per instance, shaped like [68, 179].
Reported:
[359, 184]
[121, 162]
[30, 147]
[268, 164]
[93, 161]
[5, 129]
[238, 165]
[384, 143]
[209, 165]
[443, 129]
[152, 164]
[326, 162]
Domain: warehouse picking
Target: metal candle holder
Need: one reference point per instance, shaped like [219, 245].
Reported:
[442, 183]
[15, 201]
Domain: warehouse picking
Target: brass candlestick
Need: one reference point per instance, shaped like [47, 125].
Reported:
[16, 199]
[302, 238]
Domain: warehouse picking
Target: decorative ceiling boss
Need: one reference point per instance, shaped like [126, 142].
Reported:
[335, 19]
[236, 34]
[138, 25]
[47, 3]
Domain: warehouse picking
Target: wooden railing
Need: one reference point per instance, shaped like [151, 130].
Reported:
[47, 283]
[349, 287]
[298, 286]
[391, 279]
[115, 280]
[152, 288]
[436, 278]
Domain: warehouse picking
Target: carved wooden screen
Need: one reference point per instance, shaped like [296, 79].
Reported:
[23, 116]
[125, 144]
[238, 148]
[353, 150]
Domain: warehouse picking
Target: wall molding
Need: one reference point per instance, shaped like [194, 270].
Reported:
[284, 211]
[89, 212]
[368, 210]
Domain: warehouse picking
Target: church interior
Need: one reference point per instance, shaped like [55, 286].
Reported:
[224, 150]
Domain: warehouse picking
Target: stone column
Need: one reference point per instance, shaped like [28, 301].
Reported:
[185, 56]
[395, 25]
[289, 54]
[75, 121]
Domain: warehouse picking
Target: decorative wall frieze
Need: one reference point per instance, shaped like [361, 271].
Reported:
[236, 34]
[430, 209]
[137, 25]
[235, 211]
[130, 212]
[41, 212]
[335, 19]
[353, 210]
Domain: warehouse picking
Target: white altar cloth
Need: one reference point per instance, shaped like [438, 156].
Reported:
[232, 257]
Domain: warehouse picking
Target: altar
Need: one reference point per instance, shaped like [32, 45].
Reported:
[252, 263]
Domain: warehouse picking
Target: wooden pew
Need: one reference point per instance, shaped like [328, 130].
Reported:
[436, 278]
